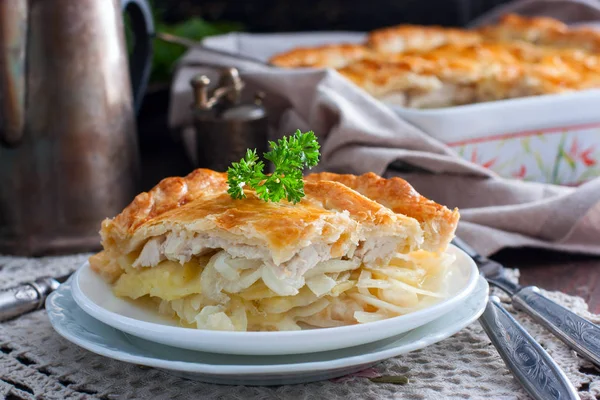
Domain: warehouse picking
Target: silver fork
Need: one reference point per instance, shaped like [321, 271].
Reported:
[578, 333]
[531, 365]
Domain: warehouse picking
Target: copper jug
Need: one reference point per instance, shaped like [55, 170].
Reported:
[68, 152]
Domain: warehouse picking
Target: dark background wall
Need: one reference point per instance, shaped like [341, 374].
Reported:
[303, 15]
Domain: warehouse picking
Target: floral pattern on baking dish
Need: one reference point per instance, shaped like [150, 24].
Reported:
[565, 156]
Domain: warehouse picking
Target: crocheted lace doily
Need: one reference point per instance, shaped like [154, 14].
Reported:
[35, 362]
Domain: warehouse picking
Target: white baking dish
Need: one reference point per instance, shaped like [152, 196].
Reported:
[553, 139]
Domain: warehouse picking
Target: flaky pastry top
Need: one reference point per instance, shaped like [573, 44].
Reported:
[200, 203]
[411, 38]
[516, 57]
[334, 56]
[542, 31]
[438, 222]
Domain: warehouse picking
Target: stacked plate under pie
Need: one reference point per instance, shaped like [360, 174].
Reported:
[425, 67]
[331, 283]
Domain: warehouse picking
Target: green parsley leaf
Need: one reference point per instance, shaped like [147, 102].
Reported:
[289, 155]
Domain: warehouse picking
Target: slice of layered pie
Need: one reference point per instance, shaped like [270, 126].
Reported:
[352, 250]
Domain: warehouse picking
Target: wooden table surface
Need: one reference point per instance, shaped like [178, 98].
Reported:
[573, 274]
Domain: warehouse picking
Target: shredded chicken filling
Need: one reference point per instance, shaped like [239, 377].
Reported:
[181, 247]
[221, 292]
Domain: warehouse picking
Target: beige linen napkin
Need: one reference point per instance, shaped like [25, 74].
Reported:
[359, 134]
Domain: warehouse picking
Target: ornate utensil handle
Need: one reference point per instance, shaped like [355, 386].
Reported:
[27, 297]
[578, 333]
[525, 358]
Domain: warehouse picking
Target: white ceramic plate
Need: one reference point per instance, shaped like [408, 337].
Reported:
[96, 298]
[78, 327]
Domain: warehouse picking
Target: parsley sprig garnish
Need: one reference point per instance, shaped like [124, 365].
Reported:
[289, 155]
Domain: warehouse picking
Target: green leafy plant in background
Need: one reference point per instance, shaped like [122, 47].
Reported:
[166, 54]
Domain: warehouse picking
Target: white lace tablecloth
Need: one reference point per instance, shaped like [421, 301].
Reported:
[36, 363]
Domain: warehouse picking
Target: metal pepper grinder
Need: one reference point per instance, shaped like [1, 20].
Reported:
[226, 126]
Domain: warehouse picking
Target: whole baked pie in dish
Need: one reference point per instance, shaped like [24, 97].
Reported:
[427, 67]
[354, 249]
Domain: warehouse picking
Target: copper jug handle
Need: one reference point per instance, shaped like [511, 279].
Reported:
[13, 41]
[140, 61]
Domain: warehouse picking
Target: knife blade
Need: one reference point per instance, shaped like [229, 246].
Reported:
[531, 365]
[578, 333]
[27, 297]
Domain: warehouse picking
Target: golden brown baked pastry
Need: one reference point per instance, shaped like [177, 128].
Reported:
[416, 38]
[437, 221]
[333, 56]
[542, 31]
[219, 263]
[184, 217]
[424, 67]
[451, 75]
[421, 83]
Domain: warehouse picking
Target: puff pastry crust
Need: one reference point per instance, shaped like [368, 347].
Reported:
[416, 38]
[422, 67]
[341, 216]
[333, 56]
[542, 31]
[437, 221]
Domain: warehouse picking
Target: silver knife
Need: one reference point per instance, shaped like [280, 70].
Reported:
[578, 333]
[28, 296]
[525, 358]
